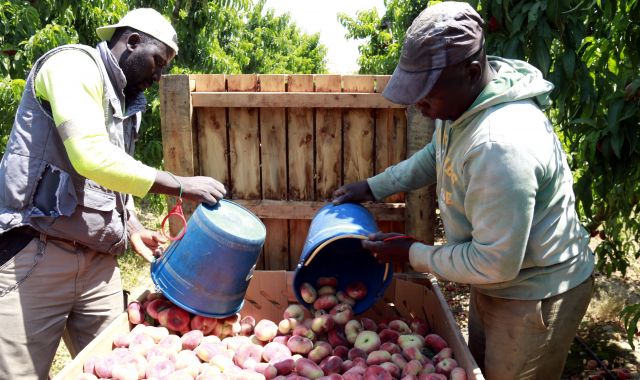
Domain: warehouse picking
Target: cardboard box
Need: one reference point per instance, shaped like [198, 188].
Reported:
[270, 292]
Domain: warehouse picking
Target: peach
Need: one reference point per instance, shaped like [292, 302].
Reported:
[122, 340]
[204, 324]
[347, 365]
[302, 330]
[282, 339]
[265, 330]
[206, 351]
[409, 377]
[458, 373]
[368, 324]
[352, 329]
[356, 290]
[309, 369]
[342, 313]
[432, 376]
[223, 362]
[427, 369]
[332, 376]
[210, 339]
[157, 305]
[367, 341]
[325, 302]
[322, 324]
[247, 324]
[375, 372]
[294, 311]
[331, 364]
[320, 351]
[285, 326]
[159, 368]
[341, 351]
[284, 366]
[86, 376]
[300, 345]
[187, 359]
[359, 362]
[191, 339]
[344, 298]
[326, 290]
[413, 367]
[157, 333]
[391, 348]
[135, 312]
[356, 353]
[336, 338]
[174, 318]
[308, 293]
[410, 340]
[378, 357]
[435, 342]
[275, 350]
[446, 352]
[172, 342]
[414, 353]
[234, 342]
[399, 360]
[248, 352]
[446, 365]
[418, 326]
[90, 364]
[267, 370]
[104, 365]
[388, 335]
[393, 369]
[326, 281]
[354, 374]
[400, 326]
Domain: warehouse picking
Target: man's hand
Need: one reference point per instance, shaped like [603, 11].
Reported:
[356, 192]
[199, 188]
[148, 244]
[387, 247]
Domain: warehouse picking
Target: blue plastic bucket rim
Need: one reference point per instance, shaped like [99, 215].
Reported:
[317, 249]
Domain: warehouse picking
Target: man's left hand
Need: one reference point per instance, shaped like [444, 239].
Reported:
[387, 247]
[148, 244]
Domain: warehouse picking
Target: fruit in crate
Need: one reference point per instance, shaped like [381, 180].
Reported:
[332, 344]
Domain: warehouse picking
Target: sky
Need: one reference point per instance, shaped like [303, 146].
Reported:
[322, 16]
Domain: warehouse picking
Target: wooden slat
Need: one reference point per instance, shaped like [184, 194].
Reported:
[177, 134]
[307, 209]
[328, 140]
[212, 131]
[243, 142]
[301, 162]
[347, 99]
[273, 139]
[358, 132]
[421, 203]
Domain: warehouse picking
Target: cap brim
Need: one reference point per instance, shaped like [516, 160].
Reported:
[406, 87]
[106, 32]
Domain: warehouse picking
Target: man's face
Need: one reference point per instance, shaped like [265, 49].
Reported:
[451, 95]
[143, 65]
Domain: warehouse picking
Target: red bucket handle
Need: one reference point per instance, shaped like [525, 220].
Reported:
[177, 212]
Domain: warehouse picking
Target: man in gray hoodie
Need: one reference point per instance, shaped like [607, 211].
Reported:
[504, 191]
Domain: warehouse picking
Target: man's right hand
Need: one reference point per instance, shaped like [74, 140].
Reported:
[356, 192]
[199, 188]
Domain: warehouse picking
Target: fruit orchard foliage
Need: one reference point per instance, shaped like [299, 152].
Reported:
[590, 50]
[229, 36]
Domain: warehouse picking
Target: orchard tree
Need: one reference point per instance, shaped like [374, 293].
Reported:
[590, 51]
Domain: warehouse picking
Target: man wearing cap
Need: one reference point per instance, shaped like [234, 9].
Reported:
[65, 183]
[504, 191]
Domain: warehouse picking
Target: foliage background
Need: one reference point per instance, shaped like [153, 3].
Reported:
[590, 50]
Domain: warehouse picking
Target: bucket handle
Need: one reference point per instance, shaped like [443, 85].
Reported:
[177, 212]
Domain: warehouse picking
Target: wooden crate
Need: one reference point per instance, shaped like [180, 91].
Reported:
[270, 292]
[283, 143]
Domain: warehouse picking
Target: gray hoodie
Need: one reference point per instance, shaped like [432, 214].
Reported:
[505, 193]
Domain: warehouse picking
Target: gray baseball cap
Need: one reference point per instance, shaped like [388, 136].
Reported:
[442, 35]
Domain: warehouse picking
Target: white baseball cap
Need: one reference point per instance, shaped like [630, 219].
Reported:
[146, 20]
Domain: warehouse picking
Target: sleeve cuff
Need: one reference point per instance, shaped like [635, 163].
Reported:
[418, 256]
[380, 186]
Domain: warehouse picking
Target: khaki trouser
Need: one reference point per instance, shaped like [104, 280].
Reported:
[515, 339]
[70, 288]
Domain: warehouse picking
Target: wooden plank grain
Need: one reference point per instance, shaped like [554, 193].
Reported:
[177, 135]
[244, 144]
[273, 138]
[301, 163]
[296, 99]
[328, 128]
[358, 132]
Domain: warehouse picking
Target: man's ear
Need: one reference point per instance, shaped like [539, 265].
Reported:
[133, 41]
[474, 71]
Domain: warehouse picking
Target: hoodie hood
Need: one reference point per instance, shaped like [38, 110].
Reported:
[514, 80]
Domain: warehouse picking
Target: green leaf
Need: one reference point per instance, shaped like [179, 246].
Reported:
[569, 63]
[542, 57]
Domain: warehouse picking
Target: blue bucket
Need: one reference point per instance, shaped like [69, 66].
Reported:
[207, 272]
[334, 249]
